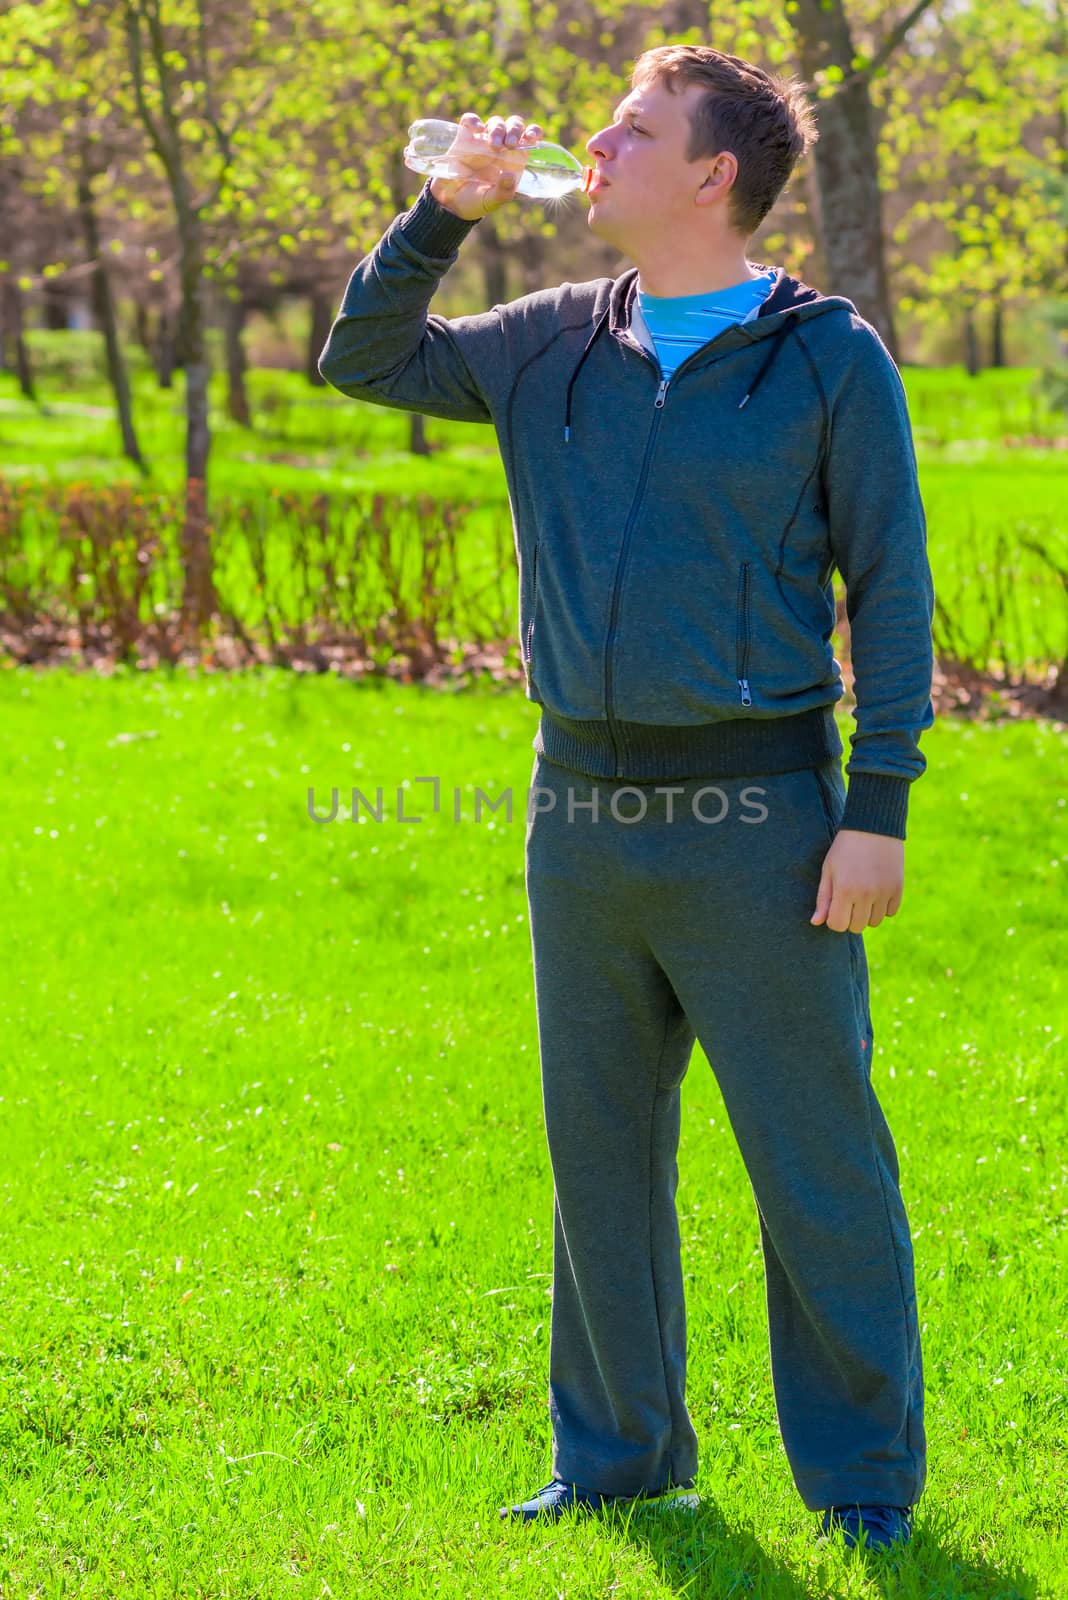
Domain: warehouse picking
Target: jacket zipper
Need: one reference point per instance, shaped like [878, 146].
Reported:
[658, 406]
[743, 634]
[533, 603]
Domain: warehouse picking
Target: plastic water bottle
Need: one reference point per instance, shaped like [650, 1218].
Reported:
[550, 171]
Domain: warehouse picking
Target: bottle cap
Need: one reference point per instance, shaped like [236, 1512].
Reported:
[589, 180]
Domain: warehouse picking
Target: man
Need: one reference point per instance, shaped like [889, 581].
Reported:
[691, 449]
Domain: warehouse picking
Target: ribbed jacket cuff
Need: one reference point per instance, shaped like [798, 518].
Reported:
[876, 803]
[431, 228]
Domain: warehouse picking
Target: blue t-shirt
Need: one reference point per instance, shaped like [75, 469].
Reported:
[681, 324]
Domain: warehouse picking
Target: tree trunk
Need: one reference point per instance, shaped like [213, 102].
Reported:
[181, 336]
[817, 269]
[236, 364]
[55, 308]
[997, 335]
[165, 351]
[418, 443]
[494, 259]
[532, 263]
[846, 162]
[142, 329]
[971, 343]
[417, 439]
[104, 312]
[199, 600]
[322, 317]
[12, 316]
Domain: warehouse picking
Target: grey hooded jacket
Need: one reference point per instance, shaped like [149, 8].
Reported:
[676, 540]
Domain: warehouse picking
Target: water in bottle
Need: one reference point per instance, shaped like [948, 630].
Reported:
[551, 171]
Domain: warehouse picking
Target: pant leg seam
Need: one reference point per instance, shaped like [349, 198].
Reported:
[869, 1092]
[652, 1260]
[900, 1281]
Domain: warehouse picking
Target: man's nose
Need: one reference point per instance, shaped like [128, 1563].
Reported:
[598, 144]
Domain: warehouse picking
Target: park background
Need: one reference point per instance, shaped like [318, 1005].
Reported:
[277, 1204]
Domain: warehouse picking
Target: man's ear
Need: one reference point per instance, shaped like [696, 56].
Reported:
[709, 181]
[714, 177]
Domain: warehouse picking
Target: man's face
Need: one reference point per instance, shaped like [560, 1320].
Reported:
[648, 185]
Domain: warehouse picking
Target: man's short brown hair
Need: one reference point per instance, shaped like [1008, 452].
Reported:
[766, 122]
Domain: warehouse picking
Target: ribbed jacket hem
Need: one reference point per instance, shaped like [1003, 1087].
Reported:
[653, 752]
[433, 229]
[739, 747]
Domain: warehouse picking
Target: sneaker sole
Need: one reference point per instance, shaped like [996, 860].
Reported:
[658, 1503]
[667, 1502]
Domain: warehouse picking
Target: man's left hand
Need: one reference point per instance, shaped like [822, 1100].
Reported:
[862, 881]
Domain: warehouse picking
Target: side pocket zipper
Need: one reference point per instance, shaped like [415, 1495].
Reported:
[743, 634]
[533, 603]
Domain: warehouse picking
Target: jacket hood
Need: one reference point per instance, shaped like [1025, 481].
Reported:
[787, 294]
[789, 302]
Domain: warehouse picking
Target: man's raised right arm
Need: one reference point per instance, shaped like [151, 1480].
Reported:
[385, 345]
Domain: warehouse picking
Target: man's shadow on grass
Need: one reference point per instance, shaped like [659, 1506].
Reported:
[698, 1553]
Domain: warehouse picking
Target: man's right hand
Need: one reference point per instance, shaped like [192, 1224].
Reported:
[491, 155]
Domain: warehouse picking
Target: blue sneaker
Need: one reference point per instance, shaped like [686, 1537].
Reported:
[870, 1527]
[557, 1497]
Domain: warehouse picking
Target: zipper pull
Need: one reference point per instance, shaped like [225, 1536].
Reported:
[660, 393]
[743, 684]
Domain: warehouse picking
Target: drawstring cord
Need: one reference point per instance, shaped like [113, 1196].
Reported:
[589, 345]
[775, 341]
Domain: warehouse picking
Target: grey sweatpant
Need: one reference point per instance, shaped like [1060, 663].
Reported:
[692, 921]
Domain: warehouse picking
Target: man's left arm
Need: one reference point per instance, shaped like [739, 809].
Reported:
[878, 535]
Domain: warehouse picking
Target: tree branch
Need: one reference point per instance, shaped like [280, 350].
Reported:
[133, 35]
[221, 133]
[897, 34]
[225, 135]
[893, 39]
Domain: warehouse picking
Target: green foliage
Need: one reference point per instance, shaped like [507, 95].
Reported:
[964, 143]
[285, 155]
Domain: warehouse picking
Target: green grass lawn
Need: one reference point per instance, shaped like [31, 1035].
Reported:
[277, 1201]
